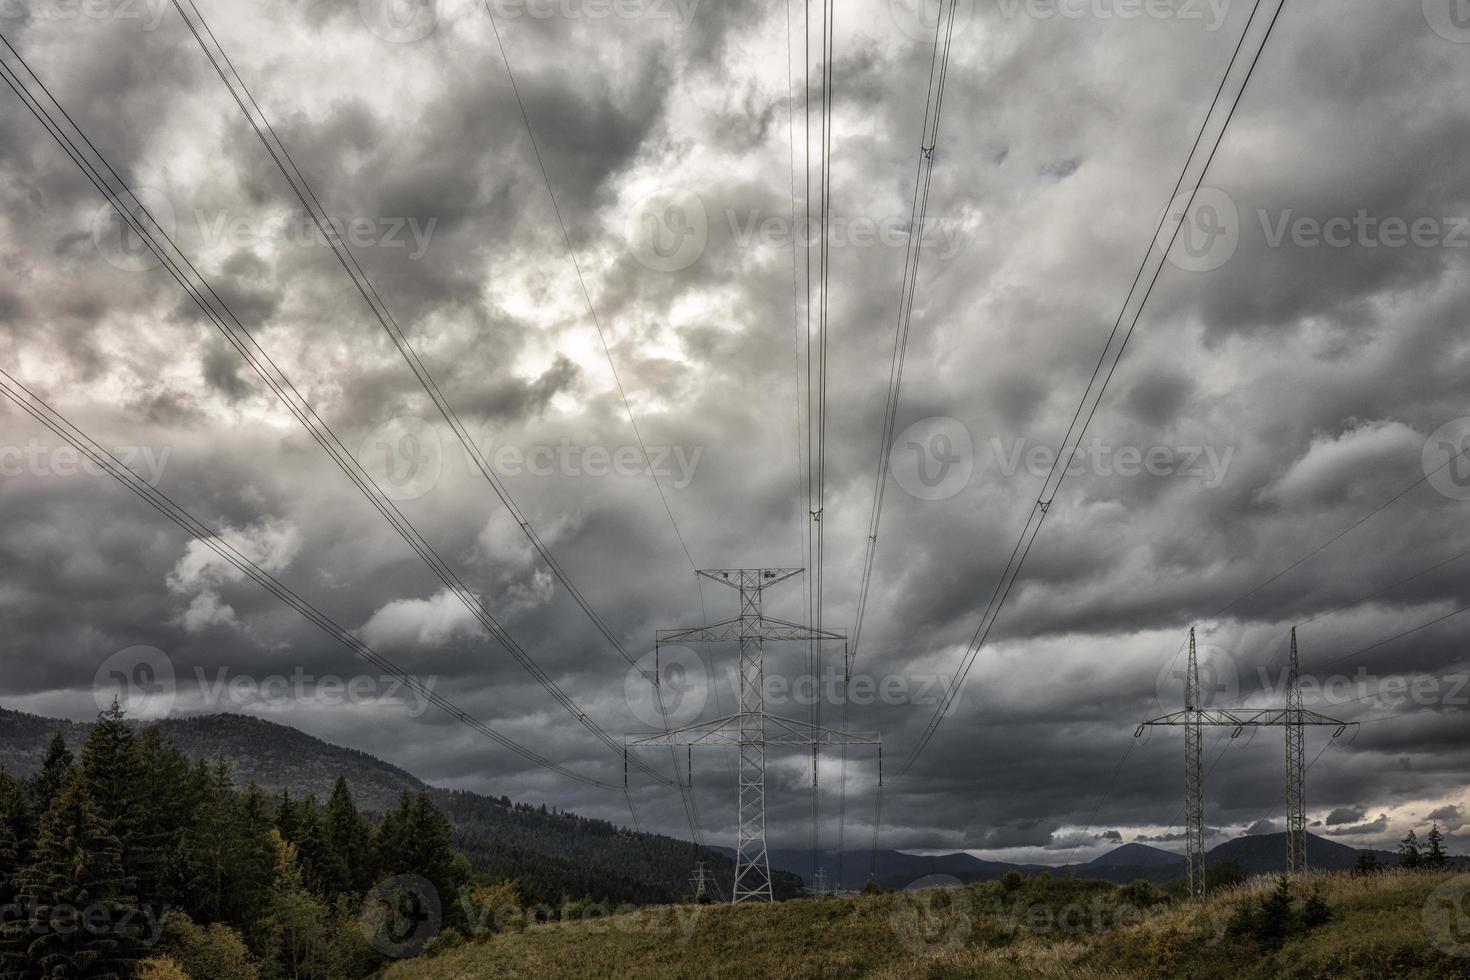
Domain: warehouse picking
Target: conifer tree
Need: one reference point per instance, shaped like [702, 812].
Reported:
[1409, 854]
[46, 782]
[80, 919]
[1434, 857]
[350, 841]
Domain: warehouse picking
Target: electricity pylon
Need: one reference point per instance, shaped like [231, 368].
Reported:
[703, 882]
[751, 728]
[1294, 718]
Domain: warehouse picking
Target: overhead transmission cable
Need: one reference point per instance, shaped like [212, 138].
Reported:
[1097, 386]
[220, 61]
[29, 402]
[223, 318]
[918, 211]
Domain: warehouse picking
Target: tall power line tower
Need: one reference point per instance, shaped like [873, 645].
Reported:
[1195, 717]
[751, 729]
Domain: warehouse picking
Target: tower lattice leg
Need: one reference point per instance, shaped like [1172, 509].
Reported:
[752, 863]
[1194, 778]
[1296, 771]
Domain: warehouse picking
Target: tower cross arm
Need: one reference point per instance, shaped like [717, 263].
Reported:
[1235, 718]
[764, 628]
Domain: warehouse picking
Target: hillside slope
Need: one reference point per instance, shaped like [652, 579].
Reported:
[552, 854]
[1390, 925]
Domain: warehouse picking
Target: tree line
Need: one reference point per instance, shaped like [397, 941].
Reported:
[129, 860]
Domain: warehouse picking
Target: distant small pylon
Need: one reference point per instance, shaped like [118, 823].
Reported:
[820, 888]
[703, 883]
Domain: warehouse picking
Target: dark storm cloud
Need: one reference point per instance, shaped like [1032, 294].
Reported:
[1313, 375]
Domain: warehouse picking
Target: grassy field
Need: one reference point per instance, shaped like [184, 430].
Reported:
[1390, 925]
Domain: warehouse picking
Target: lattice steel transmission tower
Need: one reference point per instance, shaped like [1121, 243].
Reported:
[751, 729]
[820, 887]
[1195, 717]
[702, 882]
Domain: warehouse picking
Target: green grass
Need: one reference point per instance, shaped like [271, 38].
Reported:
[1055, 928]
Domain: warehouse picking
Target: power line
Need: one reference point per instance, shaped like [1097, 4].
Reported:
[39, 410]
[1088, 406]
[240, 338]
[918, 212]
[281, 156]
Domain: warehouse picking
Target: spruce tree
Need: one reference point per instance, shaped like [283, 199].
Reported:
[46, 782]
[1434, 857]
[250, 859]
[80, 921]
[1409, 854]
[350, 842]
[113, 771]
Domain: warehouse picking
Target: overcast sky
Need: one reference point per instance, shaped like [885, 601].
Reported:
[1290, 375]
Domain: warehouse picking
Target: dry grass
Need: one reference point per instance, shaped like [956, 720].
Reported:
[1058, 930]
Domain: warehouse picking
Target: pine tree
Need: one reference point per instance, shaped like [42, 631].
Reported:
[75, 878]
[162, 864]
[1409, 854]
[15, 826]
[1435, 856]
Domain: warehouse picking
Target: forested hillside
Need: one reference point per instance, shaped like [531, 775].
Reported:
[551, 854]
